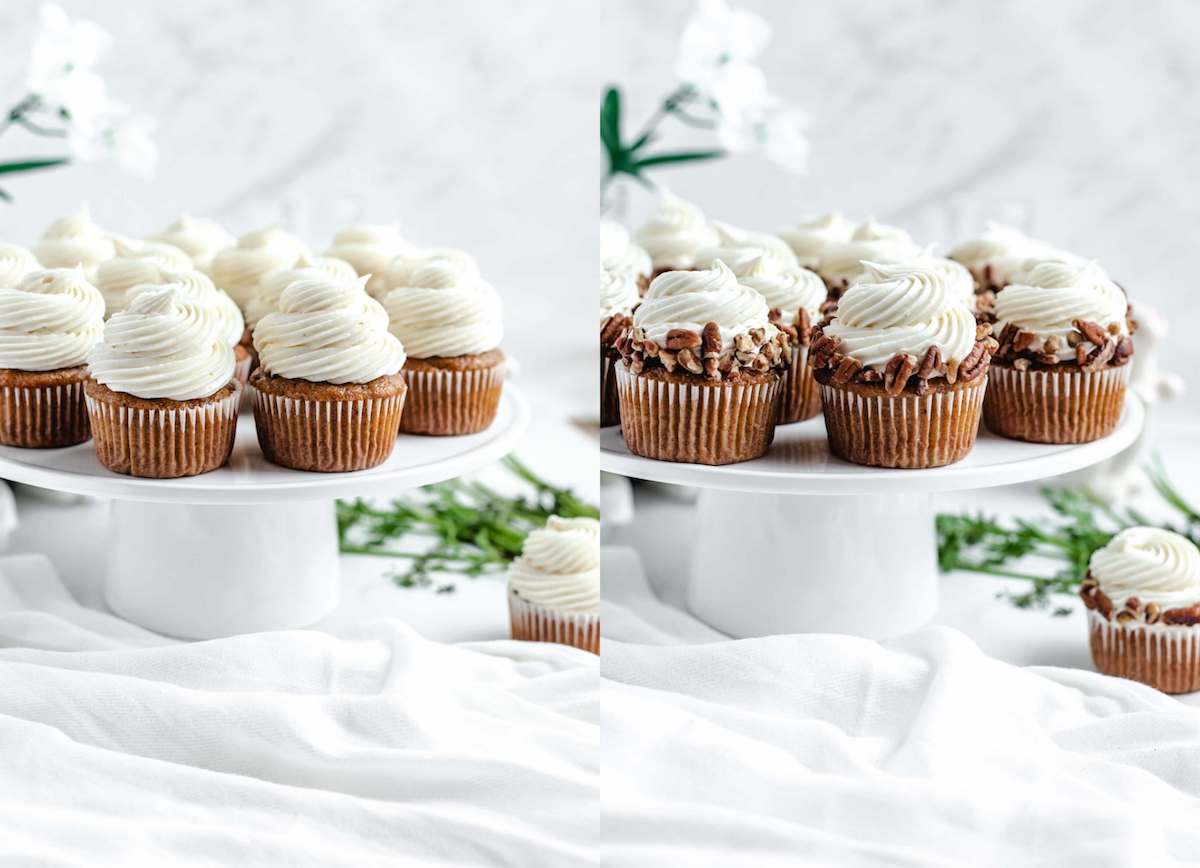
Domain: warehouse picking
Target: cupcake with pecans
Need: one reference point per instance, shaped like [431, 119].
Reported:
[48, 324]
[201, 239]
[674, 234]
[450, 323]
[902, 367]
[701, 370]
[328, 392]
[1142, 593]
[811, 239]
[554, 586]
[619, 253]
[1065, 344]
[618, 297]
[74, 240]
[844, 263]
[370, 248]
[1000, 254]
[162, 397]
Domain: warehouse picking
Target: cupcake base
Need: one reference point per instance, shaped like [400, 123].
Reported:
[867, 426]
[43, 409]
[454, 395]
[160, 438]
[326, 427]
[801, 398]
[533, 623]
[1054, 404]
[1164, 656]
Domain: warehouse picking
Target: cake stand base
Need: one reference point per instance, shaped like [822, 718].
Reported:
[208, 571]
[783, 563]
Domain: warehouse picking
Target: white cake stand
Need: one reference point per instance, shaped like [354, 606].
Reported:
[800, 541]
[251, 546]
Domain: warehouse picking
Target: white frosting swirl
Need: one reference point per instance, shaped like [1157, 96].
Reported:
[442, 308]
[411, 269]
[1154, 565]
[370, 249]
[198, 287]
[238, 269]
[74, 240]
[691, 299]
[327, 331]
[272, 284]
[50, 321]
[198, 237]
[786, 290]
[15, 263]
[164, 345]
[871, 242]
[674, 234]
[957, 276]
[735, 244]
[810, 239]
[559, 566]
[1007, 250]
[618, 252]
[1057, 294]
[133, 265]
[618, 293]
[902, 308]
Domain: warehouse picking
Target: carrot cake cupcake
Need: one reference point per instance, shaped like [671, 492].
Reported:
[369, 248]
[902, 368]
[618, 253]
[619, 295]
[74, 240]
[328, 392]
[701, 369]
[1142, 593]
[554, 586]
[449, 320]
[238, 269]
[810, 239]
[134, 265]
[15, 263]
[675, 233]
[998, 256]
[272, 284]
[201, 239]
[845, 262]
[161, 395]
[734, 244]
[48, 324]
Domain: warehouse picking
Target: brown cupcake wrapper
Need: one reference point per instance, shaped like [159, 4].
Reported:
[610, 400]
[907, 430]
[327, 436]
[164, 443]
[1064, 405]
[241, 370]
[43, 417]
[534, 623]
[801, 396]
[447, 403]
[698, 422]
[1164, 656]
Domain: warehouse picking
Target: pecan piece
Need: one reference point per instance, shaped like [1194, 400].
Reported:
[897, 371]
[682, 339]
[710, 340]
[1153, 612]
[687, 359]
[1023, 341]
[1099, 356]
[1123, 352]
[931, 364]
[846, 371]
[1091, 331]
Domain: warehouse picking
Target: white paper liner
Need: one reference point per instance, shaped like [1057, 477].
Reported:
[1074, 407]
[455, 402]
[328, 436]
[534, 623]
[1165, 656]
[55, 409]
[799, 393]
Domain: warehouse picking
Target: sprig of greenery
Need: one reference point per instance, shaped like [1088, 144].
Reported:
[630, 158]
[474, 529]
[1080, 524]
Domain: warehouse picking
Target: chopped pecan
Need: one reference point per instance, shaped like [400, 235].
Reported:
[1153, 612]
[612, 329]
[846, 370]
[1051, 345]
[667, 359]
[1073, 339]
[1091, 331]
[650, 348]
[687, 359]
[931, 364]
[758, 335]
[1023, 341]
[974, 364]
[1123, 352]
[680, 339]
[1189, 615]
[1099, 356]
[897, 371]
[952, 371]
[1021, 364]
[1126, 617]
[1103, 603]
[710, 340]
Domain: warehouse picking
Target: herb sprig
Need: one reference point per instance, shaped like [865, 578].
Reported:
[474, 529]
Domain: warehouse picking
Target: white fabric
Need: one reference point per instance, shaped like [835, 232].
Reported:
[833, 750]
[369, 748]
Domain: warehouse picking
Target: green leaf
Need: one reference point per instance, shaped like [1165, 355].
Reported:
[610, 124]
[30, 165]
[678, 157]
[5, 195]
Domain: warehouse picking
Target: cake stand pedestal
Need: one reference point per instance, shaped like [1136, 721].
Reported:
[799, 541]
[251, 546]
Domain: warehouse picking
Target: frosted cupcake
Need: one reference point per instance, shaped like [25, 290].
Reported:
[369, 248]
[619, 254]
[133, 265]
[619, 295]
[449, 321]
[734, 245]
[1060, 370]
[1142, 592]
[271, 285]
[16, 263]
[902, 368]
[554, 586]
[701, 370]
[48, 323]
[74, 240]
[238, 269]
[162, 397]
[843, 263]
[999, 255]
[811, 239]
[675, 233]
[328, 392]
[199, 238]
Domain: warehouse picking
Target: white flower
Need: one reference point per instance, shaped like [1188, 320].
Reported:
[716, 36]
[784, 140]
[122, 137]
[62, 57]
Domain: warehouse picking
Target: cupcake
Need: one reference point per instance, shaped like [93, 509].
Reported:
[701, 370]
[619, 295]
[1060, 371]
[902, 368]
[795, 296]
[199, 238]
[131, 266]
[844, 262]
[1000, 254]
[238, 269]
[674, 233]
[271, 285]
[810, 239]
[16, 263]
[328, 392]
[369, 248]
[74, 240]
[554, 586]
[1142, 593]
[48, 323]
[618, 253]
[161, 394]
[734, 244]
[449, 321]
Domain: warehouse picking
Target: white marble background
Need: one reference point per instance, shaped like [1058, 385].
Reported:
[1079, 119]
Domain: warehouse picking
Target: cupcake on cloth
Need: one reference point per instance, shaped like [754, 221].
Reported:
[1065, 345]
[843, 263]
[701, 370]
[554, 586]
[201, 239]
[74, 240]
[902, 368]
[161, 395]
[998, 256]
[619, 254]
[48, 323]
[238, 269]
[1142, 592]
[675, 233]
[328, 392]
[16, 263]
[369, 249]
[449, 320]
[135, 265]
[811, 239]
[618, 297]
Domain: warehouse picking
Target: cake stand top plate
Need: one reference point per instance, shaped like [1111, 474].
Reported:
[799, 462]
[250, 478]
